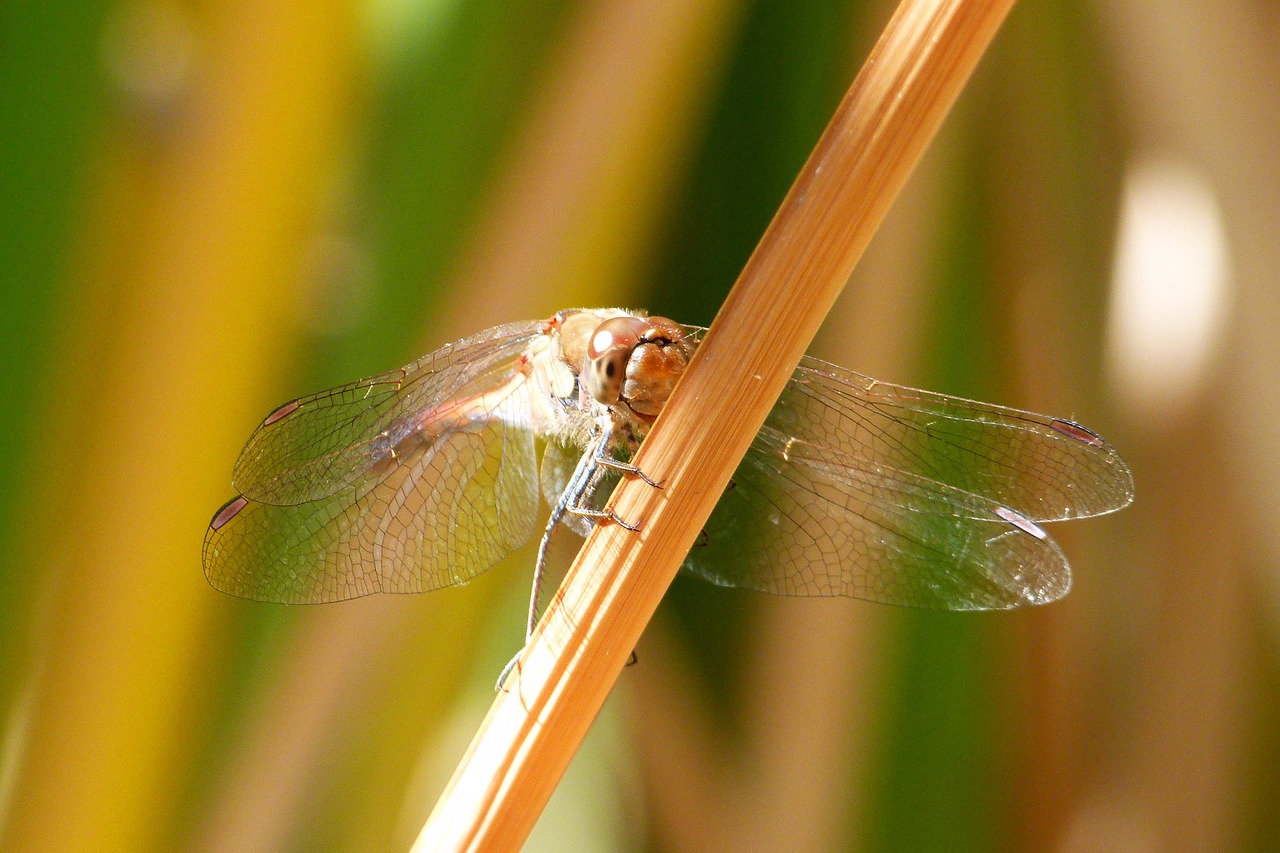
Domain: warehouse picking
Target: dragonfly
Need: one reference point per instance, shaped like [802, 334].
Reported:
[426, 476]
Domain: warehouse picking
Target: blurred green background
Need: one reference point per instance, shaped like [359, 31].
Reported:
[210, 207]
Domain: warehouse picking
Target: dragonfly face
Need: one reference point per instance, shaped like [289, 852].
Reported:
[426, 476]
[633, 363]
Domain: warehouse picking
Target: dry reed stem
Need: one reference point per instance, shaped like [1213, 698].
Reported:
[864, 157]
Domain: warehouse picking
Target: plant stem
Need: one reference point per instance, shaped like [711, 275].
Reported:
[886, 119]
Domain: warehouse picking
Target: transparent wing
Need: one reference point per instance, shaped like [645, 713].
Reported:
[1045, 468]
[802, 520]
[320, 445]
[862, 488]
[434, 515]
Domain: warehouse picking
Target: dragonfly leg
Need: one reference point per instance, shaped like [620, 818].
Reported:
[506, 670]
[607, 514]
[501, 683]
[583, 476]
[605, 460]
[601, 459]
[628, 468]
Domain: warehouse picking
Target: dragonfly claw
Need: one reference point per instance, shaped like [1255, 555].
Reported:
[628, 468]
[501, 685]
[604, 514]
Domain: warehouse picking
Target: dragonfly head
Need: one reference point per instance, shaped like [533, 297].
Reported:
[635, 362]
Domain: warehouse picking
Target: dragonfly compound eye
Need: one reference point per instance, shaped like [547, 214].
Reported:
[655, 366]
[608, 352]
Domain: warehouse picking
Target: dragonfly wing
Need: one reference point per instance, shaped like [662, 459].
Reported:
[436, 515]
[801, 519]
[1044, 468]
[320, 445]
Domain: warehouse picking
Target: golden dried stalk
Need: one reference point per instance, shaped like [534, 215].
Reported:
[893, 109]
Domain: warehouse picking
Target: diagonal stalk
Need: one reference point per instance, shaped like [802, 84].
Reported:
[877, 134]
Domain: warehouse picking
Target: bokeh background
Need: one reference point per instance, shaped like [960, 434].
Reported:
[209, 207]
